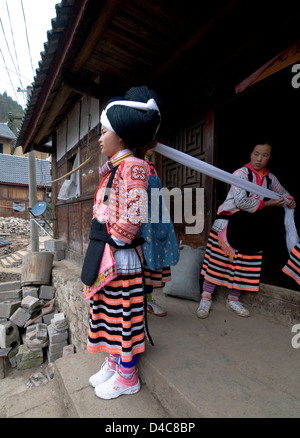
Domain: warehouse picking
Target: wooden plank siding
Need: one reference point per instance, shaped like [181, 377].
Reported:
[73, 217]
[10, 193]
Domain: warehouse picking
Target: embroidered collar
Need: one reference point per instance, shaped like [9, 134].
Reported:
[116, 159]
[261, 176]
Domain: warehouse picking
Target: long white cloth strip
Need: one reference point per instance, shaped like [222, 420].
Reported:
[105, 122]
[214, 172]
[291, 235]
[142, 106]
[208, 169]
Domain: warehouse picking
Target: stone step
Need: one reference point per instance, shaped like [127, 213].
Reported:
[22, 253]
[10, 285]
[13, 259]
[5, 263]
[16, 257]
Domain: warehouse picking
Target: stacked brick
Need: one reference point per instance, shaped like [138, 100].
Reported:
[31, 324]
[58, 336]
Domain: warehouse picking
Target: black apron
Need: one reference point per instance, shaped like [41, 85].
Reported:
[247, 232]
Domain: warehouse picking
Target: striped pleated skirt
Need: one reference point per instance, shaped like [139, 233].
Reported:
[240, 272]
[292, 267]
[117, 318]
[157, 278]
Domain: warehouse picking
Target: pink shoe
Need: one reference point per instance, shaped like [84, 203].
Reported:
[118, 385]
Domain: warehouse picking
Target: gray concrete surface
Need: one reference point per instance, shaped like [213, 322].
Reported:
[223, 366]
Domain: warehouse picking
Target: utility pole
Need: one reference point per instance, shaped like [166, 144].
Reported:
[34, 231]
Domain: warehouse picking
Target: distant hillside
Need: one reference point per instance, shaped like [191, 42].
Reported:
[8, 105]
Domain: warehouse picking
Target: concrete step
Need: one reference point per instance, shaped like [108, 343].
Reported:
[69, 395]
[72, 374]
[222, 366]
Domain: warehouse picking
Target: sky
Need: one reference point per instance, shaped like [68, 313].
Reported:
[21, 42]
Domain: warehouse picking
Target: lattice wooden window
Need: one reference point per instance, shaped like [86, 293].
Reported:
[188, 139]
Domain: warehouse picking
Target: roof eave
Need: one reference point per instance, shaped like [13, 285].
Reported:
[39, 95]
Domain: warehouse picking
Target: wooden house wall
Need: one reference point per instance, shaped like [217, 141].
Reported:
[13, 193]
[73, 217]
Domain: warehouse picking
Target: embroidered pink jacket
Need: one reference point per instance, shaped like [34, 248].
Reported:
[238, 199]
[128, 202]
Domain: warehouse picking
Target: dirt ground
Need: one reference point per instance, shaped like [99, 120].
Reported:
[17, 232]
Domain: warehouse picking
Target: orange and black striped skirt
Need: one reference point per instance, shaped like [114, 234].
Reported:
[117, 317]
[292, 267]
[240, 272]
[157, 278]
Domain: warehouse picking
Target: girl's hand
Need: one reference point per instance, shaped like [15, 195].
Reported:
[291, 204]
[274, 203]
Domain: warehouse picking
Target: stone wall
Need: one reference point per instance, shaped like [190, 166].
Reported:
[70, 300]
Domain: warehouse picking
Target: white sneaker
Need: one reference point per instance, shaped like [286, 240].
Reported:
[154, 308]
[203, 309]
[106, 371]
[238, 308]
[118, 385]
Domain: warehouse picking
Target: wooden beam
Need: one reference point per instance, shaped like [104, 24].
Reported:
[60, 99]
[82, 86]
[43, 148]
[106, 13]
[203, 32]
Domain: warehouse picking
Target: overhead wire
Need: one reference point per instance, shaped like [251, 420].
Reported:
[27, 37]
[10, 50]
[13, 39]
[8, 72]
[16, 61]
[12, 71]
[7, 45]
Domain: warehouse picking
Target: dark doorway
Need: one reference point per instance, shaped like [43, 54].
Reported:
[270, 110]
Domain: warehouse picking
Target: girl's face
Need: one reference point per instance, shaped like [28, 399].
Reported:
[110, 143]
[260, 156]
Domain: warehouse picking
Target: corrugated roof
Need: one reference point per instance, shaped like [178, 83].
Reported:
[6, 132]
[14, 170]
